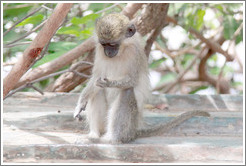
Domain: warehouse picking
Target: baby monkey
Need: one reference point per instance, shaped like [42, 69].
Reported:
[119, 86]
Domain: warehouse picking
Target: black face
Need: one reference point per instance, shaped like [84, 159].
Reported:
[111, 49]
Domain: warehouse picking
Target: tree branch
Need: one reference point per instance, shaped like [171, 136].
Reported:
[213, 45]
[31, 53]
[159, 8]
[131, 9]
[203, 76]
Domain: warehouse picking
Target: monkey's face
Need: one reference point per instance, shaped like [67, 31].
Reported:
[111, 49]
[112, 30]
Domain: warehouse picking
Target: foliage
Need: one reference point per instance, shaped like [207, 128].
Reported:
[79, 26]
[227, 16]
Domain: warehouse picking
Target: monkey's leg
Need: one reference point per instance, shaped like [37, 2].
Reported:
[96, 114]
[122, 119]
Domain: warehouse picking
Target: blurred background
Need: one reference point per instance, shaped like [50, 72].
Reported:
[177, 62]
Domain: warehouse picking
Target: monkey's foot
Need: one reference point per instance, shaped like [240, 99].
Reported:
[88, 139]
[109, 139]
[83, 140]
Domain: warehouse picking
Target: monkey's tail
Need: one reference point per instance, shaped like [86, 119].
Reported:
[163, 128]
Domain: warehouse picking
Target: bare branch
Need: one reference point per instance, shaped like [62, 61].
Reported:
[213, 45]
[8, 63]
[35, 88]
[16, 44]
[43, 6]
[81, 74]
[25, 35]
[108, 8]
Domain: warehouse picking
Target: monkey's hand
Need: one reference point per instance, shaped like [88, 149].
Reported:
[103, 83]
[78, 109]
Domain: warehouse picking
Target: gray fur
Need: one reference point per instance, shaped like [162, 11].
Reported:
[118, 89]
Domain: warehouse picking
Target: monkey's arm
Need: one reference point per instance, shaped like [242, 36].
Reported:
[125, 83]
[83, 98]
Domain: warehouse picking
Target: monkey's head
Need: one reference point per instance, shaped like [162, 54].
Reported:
[111, 30]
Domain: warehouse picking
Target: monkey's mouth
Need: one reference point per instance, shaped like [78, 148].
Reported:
[111, 51]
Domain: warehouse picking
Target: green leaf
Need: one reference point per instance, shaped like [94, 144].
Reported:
[44, 83]
[12, 35]
[186, 60]
[97, 6]
[31, 20]
[157, 63]
[230, 26]
[199, 18]
[16, 10]
[236, 84]
[84, 34]
[48, 58]
[194, 19]
[214, 70]
[219, 7]
[228, 69]
[167, 78]
[61, 45]
[71, 30]
[85, 19]
[239, 37]
[198, 89]
[214, 57]
[181, 7]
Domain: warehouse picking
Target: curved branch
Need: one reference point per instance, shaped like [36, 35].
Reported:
[203, 75]
[211, 44]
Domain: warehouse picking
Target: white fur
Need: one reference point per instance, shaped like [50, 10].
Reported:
[116, 68]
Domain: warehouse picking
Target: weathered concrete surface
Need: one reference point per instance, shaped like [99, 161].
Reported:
[41, 129]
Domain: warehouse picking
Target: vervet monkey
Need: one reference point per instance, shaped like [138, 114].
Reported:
[119, 86]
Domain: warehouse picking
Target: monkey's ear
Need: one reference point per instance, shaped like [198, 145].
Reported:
[131, 30]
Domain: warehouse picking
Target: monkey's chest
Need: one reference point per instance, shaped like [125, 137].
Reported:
[113, 70]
